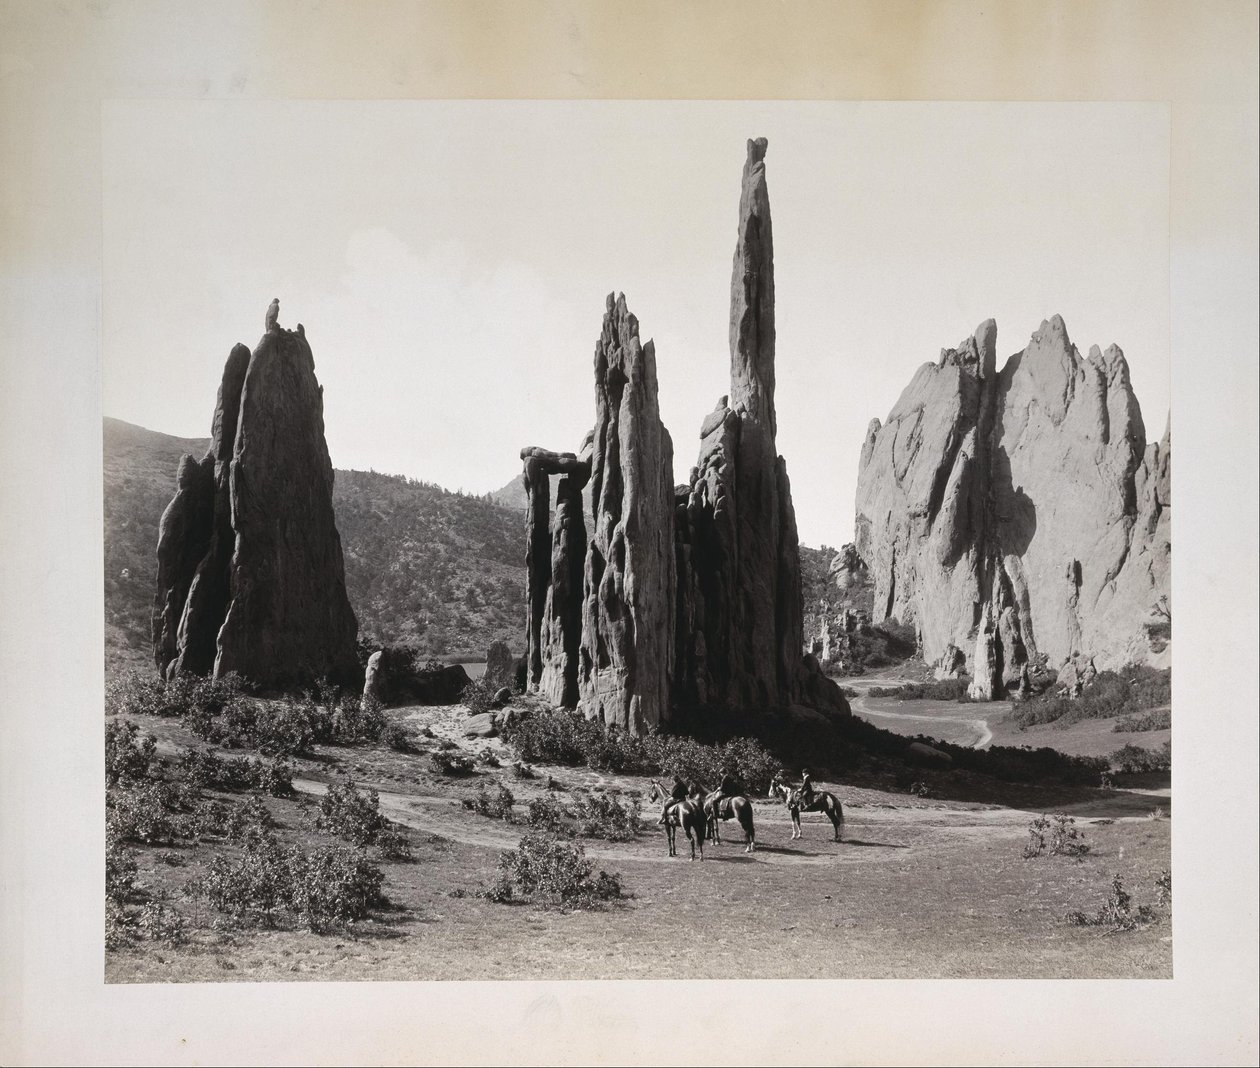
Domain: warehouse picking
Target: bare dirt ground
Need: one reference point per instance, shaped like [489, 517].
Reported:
[917, 888]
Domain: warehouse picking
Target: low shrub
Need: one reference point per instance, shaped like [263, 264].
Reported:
[546, 813]
[1157, 719]
[146, 812]
[478, 696]
[204, 769]
[497, 806]
[1116, 912]
[1056, 835]
[942, 690]
[1135, 759]
[120, 868]
[355, 815]
[602, 816]
[128, 754]
[449, 762]
[248, 822]
[553, 873]
[1065, 839]
[1163, 889]
[1134, 690]
[559, 737]
[395, 736]
[350, 813]
[315, 888]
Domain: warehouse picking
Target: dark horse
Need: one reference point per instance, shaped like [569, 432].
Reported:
[737, 807]
[687, 814]
[822, 802]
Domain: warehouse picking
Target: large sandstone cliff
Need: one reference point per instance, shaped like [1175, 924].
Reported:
[1017, 513]
[250, 571]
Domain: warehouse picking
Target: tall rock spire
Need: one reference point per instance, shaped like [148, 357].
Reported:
[626, 663]
[740, 627]
[268, 595]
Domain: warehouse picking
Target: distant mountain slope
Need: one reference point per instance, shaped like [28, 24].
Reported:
[444, 571]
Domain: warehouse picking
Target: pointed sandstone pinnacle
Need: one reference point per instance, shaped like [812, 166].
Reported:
[979, 485]
[626, 661]
[740, 613]
[268, 597]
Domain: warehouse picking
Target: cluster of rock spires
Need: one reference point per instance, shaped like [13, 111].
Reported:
[1019, 514]
[250, 571]
[689, 596]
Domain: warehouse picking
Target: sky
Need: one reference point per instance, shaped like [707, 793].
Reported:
[450, 261]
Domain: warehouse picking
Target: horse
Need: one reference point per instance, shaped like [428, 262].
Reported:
[736, 807]
[823, 801]
[687, 814]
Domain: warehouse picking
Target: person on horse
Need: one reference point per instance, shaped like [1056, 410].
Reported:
[679, 793]
[807, 789]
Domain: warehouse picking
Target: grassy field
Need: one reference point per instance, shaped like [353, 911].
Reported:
[917, 888]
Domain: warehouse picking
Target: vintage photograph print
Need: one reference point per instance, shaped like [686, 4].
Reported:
[636, 540]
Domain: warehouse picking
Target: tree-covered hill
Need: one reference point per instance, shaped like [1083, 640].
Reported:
[424, 566]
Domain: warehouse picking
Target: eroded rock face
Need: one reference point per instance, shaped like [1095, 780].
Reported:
[500, 665]
[554, 562]
[739, 621]
[627, 644]
[1020, 506]
[268, 597]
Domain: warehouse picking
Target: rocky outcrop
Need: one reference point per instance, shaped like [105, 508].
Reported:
[500, 666]
[554, 562]
[627, 636]
[268, 598]
[739, 612]
[1016, 514]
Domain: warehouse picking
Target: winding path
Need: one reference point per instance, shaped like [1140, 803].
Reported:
[861, 706]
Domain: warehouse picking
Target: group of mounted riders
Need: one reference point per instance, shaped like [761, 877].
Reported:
[700, 812]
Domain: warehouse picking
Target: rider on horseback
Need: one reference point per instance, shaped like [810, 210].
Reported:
[679, 793]
[807, 789]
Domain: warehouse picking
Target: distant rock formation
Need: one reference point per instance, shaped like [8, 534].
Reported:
[250, 569]
[1019, 513]
[625, 675]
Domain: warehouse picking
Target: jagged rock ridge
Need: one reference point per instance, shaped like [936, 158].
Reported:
[1017, 514]
[250, 571]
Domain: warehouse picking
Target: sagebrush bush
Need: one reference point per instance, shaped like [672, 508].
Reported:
[546, 812]
[1158, 719]
[559, 737]
[204, 769]
[1116, 912]
[1056, 835]
[128, 753]
[478, 695]
[449, 762]
[497, 806]
[350, 813]
[1133, 690]
[1163, 889]
[942, 690]
[1134, 758]
[315, 888]
[550, 872]
[395, 736]
[602, 816]
[147, 812]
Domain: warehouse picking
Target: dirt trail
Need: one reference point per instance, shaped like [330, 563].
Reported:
[861, 706]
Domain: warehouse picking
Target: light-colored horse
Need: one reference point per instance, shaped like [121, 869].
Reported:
[687, 814]
[736, 807]
[823, 802]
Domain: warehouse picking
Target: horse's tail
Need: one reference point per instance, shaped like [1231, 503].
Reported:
[744, 813]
